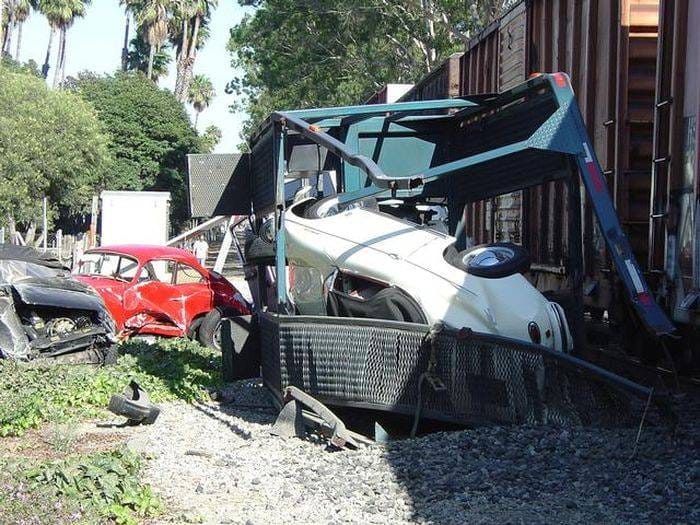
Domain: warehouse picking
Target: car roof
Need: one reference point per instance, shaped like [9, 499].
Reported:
[143, 252]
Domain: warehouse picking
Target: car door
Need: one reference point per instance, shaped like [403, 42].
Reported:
[195, 291]
[153, 299]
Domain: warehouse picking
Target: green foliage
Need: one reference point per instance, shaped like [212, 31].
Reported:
[84, 488]
[137, 59]
[210, 138]
[150, 131]
[299, 54]
[30, 67]
[36, 505]
[51, 143]
[34, 394]
[62, 13]
[201, 93]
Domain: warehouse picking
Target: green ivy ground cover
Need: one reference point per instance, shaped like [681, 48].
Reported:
[33, 394]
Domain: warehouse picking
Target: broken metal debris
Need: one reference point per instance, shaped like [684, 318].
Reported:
[135, 405]
[292, 420]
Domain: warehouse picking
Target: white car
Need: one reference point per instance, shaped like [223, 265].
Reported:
[356, 261]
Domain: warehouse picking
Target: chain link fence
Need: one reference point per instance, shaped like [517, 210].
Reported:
[460, 377]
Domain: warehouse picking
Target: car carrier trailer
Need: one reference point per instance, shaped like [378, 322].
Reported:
[452, 151]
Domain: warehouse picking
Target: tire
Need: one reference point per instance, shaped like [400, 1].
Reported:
[519, 263]
[390, 303]
[259, 252]
[312, 211]
[137, 411]
[110, 355]
[209, 334]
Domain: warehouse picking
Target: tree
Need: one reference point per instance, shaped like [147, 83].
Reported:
[189, 32]
[150, 132]
[22, 11]
[139, 52]
[16, 12]
[52, 145]
[29, 68]
[152, 19]
[200, 95]
[2, 17]
[306, 53]
[61, 14]
[211, 138]
[130, 6]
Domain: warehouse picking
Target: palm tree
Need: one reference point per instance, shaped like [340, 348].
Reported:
[22, 10]
[190, 33]
[137, 57]
[130, 7]
[200, 94]
[8, 22]
[2, 18]
[61, 14]
[47, 8]
[17, 12]
[152, 19]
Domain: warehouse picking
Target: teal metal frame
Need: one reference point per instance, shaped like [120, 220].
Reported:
[562, 132]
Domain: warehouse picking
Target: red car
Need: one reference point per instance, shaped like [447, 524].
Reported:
[160, 290]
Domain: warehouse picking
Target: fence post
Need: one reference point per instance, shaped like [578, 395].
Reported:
[59, 244]
[92, 237]
[45, 226]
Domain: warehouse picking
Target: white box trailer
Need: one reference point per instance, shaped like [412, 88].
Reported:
[134, 217]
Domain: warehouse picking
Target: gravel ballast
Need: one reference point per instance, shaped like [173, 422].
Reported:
[217, 463]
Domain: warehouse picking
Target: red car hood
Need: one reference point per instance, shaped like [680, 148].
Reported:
[106, 287]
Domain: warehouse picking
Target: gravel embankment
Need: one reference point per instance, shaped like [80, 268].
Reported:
[217, 463]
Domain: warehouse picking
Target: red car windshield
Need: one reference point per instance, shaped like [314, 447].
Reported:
[109, 265]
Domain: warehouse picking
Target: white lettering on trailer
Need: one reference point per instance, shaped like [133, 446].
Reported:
[634, 274]
[588, 158]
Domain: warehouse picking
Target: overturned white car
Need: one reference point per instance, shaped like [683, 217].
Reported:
[357, 261]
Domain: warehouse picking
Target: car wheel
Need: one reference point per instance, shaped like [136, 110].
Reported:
[493, 261]
[210, 330]
[318, 209]
[110, 355]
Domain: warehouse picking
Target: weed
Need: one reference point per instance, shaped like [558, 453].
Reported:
[34, 394]
[61, 438]
[80, 488]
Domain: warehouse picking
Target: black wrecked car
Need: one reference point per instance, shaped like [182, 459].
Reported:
[45, 313]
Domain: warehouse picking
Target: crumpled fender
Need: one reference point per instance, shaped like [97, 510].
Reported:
[52, 294]
[14, 343]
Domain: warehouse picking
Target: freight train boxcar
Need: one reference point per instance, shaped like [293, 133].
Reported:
[635, 68]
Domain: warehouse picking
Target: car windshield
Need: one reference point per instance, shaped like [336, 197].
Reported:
[109, 265]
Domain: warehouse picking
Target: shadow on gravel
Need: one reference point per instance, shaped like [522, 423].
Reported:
[215, 413]
[545, 474]
[247, 400]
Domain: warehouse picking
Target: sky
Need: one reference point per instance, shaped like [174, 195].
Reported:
[94, 43]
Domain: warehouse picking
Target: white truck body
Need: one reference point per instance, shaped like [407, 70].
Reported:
[134, 217]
